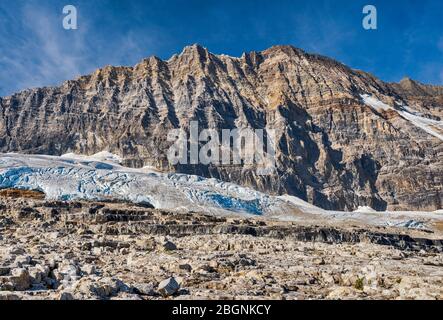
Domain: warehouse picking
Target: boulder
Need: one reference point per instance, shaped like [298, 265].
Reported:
[20, 279]
[169, 246]
[88, 269]
[168, 287]
[146, 244]
[146, 289]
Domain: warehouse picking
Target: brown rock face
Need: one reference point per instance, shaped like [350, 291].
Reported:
[332, 149]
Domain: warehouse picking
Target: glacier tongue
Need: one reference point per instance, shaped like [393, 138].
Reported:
[100, 177]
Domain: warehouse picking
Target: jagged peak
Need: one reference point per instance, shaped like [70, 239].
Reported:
[410, 84]
[106, 72]
[193, 56]
[151, 60]
[297, 53]
[407, 80]
[417, 88]
[195, 49]
[198, 56]
[203, 51]
[287, 49]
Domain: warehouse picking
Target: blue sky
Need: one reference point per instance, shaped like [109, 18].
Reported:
[35, 50]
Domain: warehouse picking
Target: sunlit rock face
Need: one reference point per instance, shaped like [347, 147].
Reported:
[334, 148]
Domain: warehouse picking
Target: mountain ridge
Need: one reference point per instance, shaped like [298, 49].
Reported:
[334, 150]
[197, 45]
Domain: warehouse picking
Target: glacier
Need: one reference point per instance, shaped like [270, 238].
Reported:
[101, 178]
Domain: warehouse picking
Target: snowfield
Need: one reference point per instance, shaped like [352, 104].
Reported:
[101, 178]
[430, 126]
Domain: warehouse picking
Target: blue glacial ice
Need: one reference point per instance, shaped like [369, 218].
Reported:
[64, 178]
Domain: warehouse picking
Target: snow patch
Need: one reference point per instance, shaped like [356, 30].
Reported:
[430, 126]
[301, 204]
[375, 103]
[365, 209]
[409, 224]
[101, 156]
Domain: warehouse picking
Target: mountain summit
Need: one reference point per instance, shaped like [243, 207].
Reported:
[344, 138]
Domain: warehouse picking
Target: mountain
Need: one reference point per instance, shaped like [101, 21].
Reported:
[344, 138]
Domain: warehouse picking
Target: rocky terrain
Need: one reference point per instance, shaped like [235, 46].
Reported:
[333, 149]
[90, 250]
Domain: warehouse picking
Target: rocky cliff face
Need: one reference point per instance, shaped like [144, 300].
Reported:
[334, 149]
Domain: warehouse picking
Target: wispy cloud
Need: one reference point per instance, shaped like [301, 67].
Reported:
[40, 52]
[61, 51]
[37, 51]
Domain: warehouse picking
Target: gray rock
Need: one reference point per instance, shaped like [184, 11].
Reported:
[88, 269]
[146, 244]
[20, 279]
[69, 270]
[38, 273]
[146, 289]
[97, 251]
[53, 235]
[8, 296]
[169, 246]
[22, 260]
[168, 287]
[4, 270]
[185, 266]
[16, 251]
[107, 287]
[66, 295]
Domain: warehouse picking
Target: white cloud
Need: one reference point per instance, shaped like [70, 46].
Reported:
[37, 51]
[61, 54]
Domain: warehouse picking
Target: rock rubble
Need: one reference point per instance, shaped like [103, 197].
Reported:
[76, 254]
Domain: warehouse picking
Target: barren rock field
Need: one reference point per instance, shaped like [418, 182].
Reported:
[87, 250]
